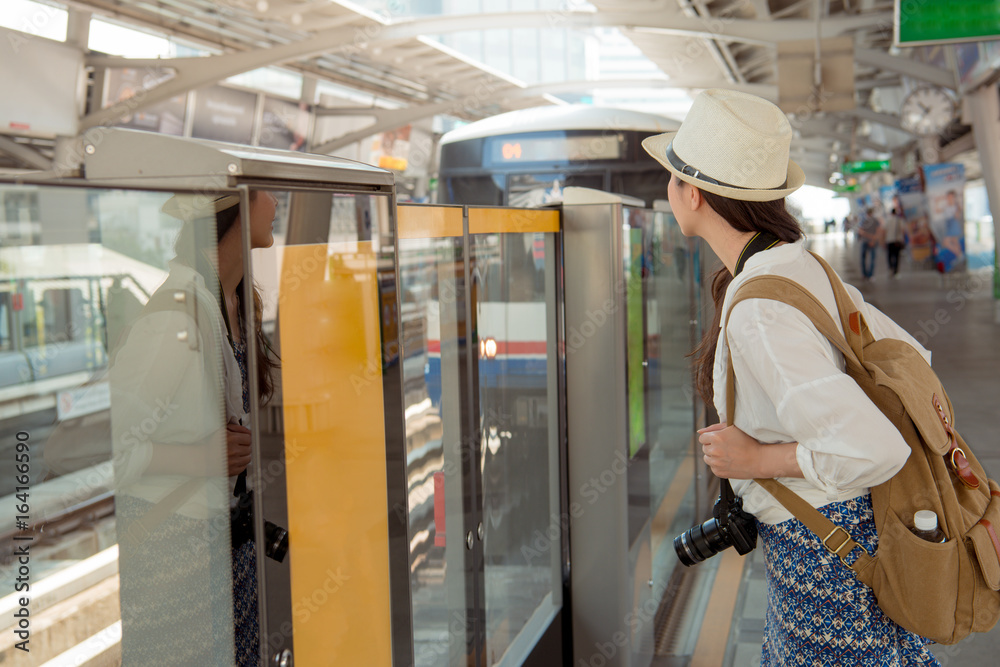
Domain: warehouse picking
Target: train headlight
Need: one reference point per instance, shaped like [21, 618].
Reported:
[488, 348]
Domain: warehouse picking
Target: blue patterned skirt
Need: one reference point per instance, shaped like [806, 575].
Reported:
[247, 635]
[818, 613]
[176, 591]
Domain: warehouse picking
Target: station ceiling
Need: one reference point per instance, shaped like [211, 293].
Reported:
[697, 44]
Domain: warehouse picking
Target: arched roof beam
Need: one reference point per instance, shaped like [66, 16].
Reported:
[859, 142]
[197, 72]
[767, 91]
[906, 66]
[487, 94]
[889, 120]
[391, 119]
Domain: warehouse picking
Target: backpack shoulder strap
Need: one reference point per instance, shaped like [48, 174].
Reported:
[835, 539]
[778, 288]
[853, 323]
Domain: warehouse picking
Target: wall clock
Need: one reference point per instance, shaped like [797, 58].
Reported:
[927, 110]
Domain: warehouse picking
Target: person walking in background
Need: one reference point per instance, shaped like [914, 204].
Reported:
[895, 237]
[869, 232]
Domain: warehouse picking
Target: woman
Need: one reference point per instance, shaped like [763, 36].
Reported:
[895, 235]
[799, 417]
[188, 574]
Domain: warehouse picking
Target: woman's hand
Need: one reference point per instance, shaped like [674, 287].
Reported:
[732, 454]
[729, 452]
[237, 448]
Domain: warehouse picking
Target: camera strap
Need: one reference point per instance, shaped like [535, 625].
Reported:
[728, 496]
[760, 241]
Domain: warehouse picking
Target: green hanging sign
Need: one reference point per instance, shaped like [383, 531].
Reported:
[845, 188]
[864, 166]
[935, 22]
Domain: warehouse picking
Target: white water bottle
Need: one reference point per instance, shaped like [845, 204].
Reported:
[925, 524]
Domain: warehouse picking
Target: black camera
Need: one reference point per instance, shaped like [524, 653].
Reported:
[729, 527]
[241, 529]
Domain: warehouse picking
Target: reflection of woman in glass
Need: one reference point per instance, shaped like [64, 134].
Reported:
[180, 404]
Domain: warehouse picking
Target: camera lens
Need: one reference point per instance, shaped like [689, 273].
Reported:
[700, 542]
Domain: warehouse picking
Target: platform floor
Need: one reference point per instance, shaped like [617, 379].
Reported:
[956, 318]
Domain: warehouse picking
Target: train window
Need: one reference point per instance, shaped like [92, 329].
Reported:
[648, 185]
[533, 190]
[474, 190]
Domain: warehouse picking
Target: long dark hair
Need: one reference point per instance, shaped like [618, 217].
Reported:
[266, 357]
[744, 216]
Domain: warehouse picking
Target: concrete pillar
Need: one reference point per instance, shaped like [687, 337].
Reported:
[984, 111]
[308, 89]
[78, 28]
[78, 35]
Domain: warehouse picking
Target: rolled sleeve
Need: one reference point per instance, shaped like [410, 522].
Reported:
[844, 440]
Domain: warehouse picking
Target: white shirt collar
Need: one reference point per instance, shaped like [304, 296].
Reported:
[758, 263]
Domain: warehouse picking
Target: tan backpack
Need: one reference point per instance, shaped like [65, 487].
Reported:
[940, 591]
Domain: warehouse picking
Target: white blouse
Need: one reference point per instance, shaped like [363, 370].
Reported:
[173, 393]
[791, 387]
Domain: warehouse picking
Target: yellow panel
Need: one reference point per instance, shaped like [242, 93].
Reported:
[429, 222]
[335, 455]
[512, 220]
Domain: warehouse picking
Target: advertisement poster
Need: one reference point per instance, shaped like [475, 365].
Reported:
[885, 195]
[284, 125]
[944, 186]
[910, 198]
[635, 337]
[224, 114]
[165, 117]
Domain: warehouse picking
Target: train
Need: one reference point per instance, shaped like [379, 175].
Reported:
[526, 157]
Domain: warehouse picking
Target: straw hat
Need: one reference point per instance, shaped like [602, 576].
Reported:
[195, 207]
[731, 144]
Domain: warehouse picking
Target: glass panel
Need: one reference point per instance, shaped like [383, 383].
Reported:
[328, 289]
[433, 311]
[518, 421]
[111, 376]
[669, 389]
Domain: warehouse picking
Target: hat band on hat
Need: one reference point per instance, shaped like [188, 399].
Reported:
[686, 169]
